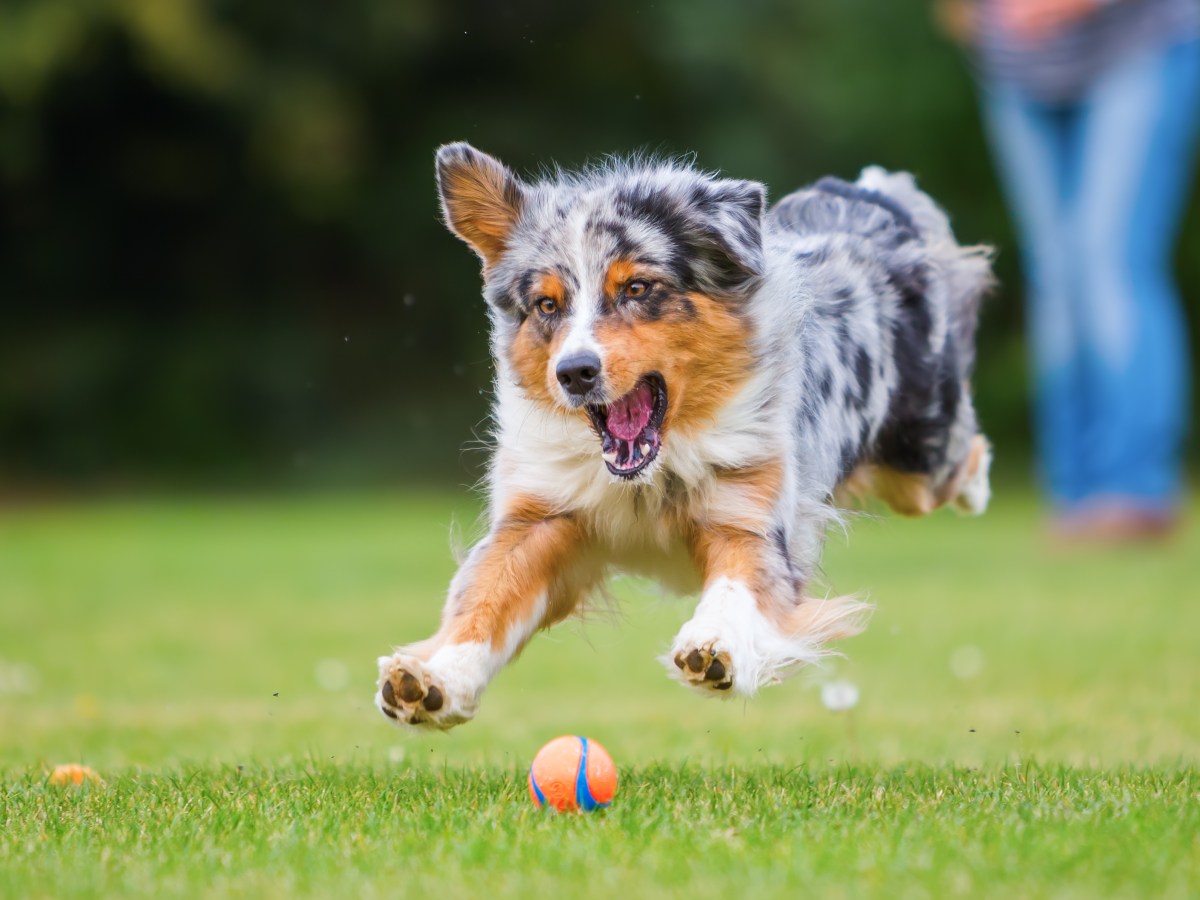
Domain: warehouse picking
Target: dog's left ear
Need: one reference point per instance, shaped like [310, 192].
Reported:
[730, 219]
[481, 199]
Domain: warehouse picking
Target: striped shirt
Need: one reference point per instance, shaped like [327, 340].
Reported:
[1060, 68]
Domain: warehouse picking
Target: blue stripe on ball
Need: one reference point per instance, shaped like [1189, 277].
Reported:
[541, 798]
[583, 791]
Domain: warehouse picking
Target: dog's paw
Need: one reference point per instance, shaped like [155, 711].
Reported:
[706, 667]
[412, 693]
[729, 646]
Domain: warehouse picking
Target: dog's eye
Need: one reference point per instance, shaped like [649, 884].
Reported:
[547, 306]
[636, 289]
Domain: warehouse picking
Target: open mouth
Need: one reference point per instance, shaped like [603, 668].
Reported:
[630, 429]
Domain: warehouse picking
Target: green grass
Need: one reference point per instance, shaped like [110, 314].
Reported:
[1028, 722]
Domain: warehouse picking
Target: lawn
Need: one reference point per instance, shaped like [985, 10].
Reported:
[1027, 722]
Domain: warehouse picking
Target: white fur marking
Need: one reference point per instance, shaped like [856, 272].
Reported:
[460, 672]
[973, 498]
[580, 337]
[727, 619]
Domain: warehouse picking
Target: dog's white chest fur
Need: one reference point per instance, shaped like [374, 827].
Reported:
[556, 458]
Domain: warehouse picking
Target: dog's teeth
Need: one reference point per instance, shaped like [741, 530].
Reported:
[645, 449]
[611, 456]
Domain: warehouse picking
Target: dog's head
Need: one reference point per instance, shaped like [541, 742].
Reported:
[617, 294]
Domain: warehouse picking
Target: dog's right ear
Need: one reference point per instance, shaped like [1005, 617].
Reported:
[481, 199]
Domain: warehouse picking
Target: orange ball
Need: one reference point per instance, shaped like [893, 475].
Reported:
[572, 773]
[73, 773]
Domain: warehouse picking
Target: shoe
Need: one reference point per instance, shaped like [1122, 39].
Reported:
[1114, 520]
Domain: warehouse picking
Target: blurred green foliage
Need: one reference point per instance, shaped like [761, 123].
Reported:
[220, 255]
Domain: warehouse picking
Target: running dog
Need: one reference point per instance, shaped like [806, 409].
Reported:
[689, 386]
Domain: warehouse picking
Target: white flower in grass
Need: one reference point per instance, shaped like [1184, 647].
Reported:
[839, 696]
[17, 678]
[332, 674]
[966, 662]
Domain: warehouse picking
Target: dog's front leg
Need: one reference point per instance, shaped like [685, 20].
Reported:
[753, 623]
[526, 574]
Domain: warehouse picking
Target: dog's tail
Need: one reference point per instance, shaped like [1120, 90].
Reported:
[914, 239]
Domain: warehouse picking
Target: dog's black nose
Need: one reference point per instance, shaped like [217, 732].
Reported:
[578, 373]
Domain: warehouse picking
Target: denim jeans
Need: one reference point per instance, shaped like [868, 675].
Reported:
[1098, 187]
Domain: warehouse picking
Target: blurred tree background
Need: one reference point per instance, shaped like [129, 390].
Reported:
[220, 254]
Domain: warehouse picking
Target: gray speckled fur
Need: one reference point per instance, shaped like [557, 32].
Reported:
[886, 291]
[860, 309]
[863, 309]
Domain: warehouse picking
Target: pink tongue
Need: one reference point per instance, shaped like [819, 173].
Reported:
[629, 415]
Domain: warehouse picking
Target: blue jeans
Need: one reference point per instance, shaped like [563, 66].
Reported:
[1098, 187]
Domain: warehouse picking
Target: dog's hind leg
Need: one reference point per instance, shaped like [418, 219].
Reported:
[528, 573]
[966, 488]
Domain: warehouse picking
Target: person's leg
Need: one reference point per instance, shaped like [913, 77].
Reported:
[1138, 129]
[1034, 148]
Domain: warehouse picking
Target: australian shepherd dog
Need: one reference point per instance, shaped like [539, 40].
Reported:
[689, 386]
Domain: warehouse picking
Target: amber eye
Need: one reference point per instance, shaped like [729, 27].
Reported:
[637, 289]
[547, 306]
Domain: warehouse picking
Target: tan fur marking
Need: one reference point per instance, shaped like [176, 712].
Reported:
[826, 619]
[518, 565]
[739, 550]
[619, 273]
[531, 354]
[753, 560]
[731, 552]
[855, 488]
[703, 361]
[757, 487]
[743, 553]
[550, 285]
[482, 206]
[908, 493]
[531, 361]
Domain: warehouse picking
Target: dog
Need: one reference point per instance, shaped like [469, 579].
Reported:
[691, 386]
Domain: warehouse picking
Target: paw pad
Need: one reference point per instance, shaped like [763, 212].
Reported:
[706, 669]
[410, 688]
[405, 695]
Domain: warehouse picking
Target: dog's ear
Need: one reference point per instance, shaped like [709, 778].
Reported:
[481, 199]
[730, 218]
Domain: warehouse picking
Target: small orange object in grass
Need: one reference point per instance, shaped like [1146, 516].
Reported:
[572, 773]
[73, 773]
